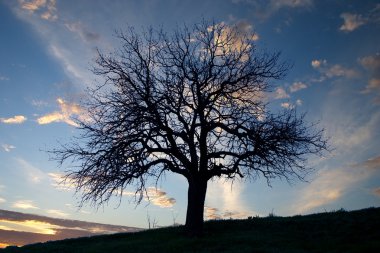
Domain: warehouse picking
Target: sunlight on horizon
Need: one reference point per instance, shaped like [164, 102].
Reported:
[3, 245]
[32, 226]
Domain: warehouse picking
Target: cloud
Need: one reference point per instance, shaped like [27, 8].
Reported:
[373, 85]
[65, 57]
[7, 147]
[371, 164]
[280, 93]
[352, 22]
[224, 200]
[296, 86]
[24, 204]
[56, 213]
[287, 105]
[59, 182]
[33, 174]
[211, 213]
[84, 34]
[160, 198]
[331, 184]
[4, 78]
[243, 27]
[30, 226]
[21, 228]
[265, 9]
[318, 63]
[331, 71]
[340, 71]
[67, 110]
[371, 62]
[18, 119]
[2, 200]
[328, 186]
[45, 8]
[376, 191]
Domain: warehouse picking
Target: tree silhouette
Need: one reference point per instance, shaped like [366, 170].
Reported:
[191, 102]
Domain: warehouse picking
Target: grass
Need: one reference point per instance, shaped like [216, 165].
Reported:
[337, 231]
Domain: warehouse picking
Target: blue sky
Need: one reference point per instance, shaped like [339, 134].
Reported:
[48, 46]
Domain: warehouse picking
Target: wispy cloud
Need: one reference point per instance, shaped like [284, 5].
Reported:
[265, 9]
[4, 78]
[18, 119]
[46, 9]
[59, 182]
[328, 186]
[65, 114]
[57, 213]
[331, 184]
[371, 164]
[33, 174]
[85, 34]
[7, 147]
[24, 204]
[68, 61]
[2, 200]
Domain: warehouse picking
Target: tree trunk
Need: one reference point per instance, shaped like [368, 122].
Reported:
[196, 200]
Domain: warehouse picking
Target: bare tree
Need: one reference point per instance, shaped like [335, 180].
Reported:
[191, 102]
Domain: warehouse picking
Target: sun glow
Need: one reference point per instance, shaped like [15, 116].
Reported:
[3, 245]
[32, 226]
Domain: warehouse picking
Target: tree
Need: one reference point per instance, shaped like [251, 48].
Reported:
[192, 103]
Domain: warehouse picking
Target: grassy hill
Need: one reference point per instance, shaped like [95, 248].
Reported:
[339, 231]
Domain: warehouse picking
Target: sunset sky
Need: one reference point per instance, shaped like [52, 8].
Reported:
[48, 46]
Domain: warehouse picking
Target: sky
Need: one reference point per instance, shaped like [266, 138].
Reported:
[48, 47]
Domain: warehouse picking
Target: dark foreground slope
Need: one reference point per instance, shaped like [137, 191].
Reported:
[340, 231]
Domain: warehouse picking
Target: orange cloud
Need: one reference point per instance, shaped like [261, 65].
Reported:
[18, 119]
[21, 228]
[46, 8]
[280, 93]
[376, 191]
[297, 86]
[351, 22]
[160, 198]
[67, 110]
[32, 226]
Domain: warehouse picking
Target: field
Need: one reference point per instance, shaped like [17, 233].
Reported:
[336, 231]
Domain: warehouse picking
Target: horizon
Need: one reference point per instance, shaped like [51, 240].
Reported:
[49, 47]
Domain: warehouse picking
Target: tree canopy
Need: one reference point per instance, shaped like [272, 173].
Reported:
[192, 102]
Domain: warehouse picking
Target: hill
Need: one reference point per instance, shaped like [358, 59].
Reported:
[338, 231]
